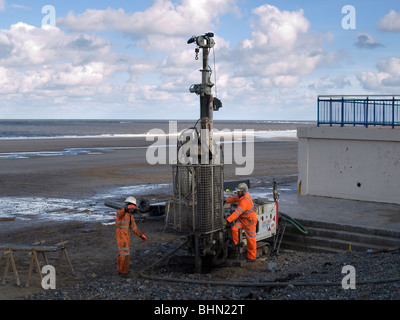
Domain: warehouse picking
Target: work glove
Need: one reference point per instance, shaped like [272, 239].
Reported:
[143, 238]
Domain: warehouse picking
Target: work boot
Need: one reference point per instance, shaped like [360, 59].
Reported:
[123, 275]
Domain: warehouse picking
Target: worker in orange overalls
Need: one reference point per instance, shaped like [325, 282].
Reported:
[246, 219]
[126, 223]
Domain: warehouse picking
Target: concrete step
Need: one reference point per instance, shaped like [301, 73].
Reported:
[333, 238]
[356, 237]
[294, 245]
[351, 228]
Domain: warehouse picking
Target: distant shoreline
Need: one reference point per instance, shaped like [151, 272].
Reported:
[82, 129]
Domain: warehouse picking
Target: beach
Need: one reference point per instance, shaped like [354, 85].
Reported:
[91, 245]
[85, 174]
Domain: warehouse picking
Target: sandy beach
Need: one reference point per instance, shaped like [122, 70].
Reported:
[85, 173]
[92, 246]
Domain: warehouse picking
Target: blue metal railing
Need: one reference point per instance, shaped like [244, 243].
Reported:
[359, 110]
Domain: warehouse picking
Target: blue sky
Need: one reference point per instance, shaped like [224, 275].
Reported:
[130, 59]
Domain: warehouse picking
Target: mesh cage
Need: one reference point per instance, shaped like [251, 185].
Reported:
[198, 198]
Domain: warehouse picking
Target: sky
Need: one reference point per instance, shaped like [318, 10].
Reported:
[130, 59]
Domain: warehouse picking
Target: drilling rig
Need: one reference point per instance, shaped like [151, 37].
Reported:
[198, 180]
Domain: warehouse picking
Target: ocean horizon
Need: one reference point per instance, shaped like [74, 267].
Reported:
[49, 128]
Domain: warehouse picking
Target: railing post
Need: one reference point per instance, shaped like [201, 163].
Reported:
[342, 113]
[330, 112]
[366, 105]
[318, 111]
[383, 114]
[393, 113]
[374, 113]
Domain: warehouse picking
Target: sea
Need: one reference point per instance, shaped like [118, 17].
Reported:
[93, 209]
[58, 129]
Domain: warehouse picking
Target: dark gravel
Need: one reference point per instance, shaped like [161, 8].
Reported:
[286, 270]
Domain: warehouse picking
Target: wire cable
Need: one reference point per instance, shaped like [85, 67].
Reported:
[215, 75]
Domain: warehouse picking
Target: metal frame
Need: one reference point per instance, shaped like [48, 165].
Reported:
[383, 110]
[198, 206]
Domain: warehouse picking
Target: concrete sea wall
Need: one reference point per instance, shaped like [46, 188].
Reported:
[355, 163]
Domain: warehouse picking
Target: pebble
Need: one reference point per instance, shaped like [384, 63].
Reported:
[288, 267]
[272, 266]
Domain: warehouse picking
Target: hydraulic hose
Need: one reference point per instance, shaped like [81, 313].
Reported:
[251, 284]
[294, 222]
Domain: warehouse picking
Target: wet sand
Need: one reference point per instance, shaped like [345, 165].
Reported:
[85, 174]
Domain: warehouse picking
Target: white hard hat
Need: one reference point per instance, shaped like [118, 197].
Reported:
[131, 200]
[242, 187]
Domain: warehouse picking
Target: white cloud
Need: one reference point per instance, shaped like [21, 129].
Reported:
[77, 68]
[19, 6]
[390, 22]
[281, 46]
[160, 28]
[24, 45]
[271, 64]
[162, 18]
[39, 63]
[386, 79]
[9, 80]
[327, 84]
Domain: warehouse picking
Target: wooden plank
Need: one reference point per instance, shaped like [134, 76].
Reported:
[15, 269]
[10, 260]
[7, 218]
[6, 269]
[37, 243]
[39, 248]
[34, 261]
[68, 260]
[8, 250]
[30, 272]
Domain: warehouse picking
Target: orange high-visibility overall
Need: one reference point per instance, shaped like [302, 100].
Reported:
[246, 219]
[125, 223]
